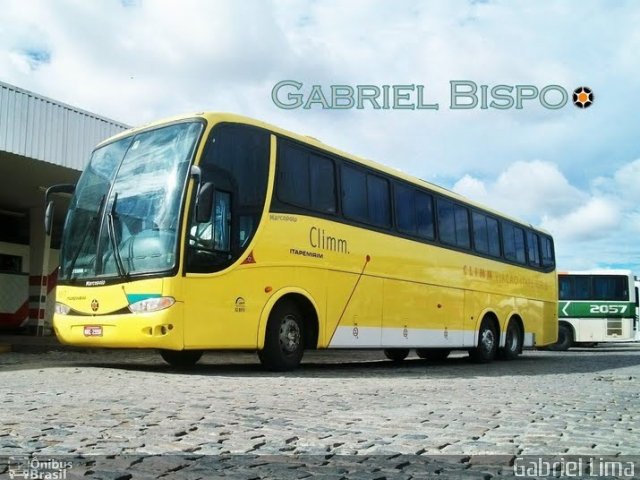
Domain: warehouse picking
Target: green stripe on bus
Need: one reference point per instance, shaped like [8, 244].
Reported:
[575, 308]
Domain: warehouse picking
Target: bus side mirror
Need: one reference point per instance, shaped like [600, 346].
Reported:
[48, 217]
[204, 203]
[48, 214]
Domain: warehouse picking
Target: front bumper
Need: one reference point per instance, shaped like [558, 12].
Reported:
[163, 329]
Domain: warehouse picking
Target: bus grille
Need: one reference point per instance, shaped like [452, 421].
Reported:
[614, 327]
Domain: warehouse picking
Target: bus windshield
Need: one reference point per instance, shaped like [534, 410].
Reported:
[124, 217]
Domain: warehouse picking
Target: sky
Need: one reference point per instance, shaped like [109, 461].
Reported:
[572, 171]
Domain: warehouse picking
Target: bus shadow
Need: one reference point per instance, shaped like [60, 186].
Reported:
[529, 364]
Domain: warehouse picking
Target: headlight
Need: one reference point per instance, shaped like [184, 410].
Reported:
[152, 304]
[62, 309]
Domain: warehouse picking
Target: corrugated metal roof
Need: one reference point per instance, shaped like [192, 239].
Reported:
[37, 127]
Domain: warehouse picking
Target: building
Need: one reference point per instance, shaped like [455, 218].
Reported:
[42, 142]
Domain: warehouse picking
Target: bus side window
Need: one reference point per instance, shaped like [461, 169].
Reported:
[493, 237]
[565, 288]
[582, 287]
[509, 242]
[548, 258]
[306, 180]
[405, 209]
[486, 235]
[354, 194]
[533, 248]
[379, 205]
[414, 211]
[480, 234]
[365, 197]
[424, 215]
[610, 288]
[453, 224]
[322, 186]
[521, 256]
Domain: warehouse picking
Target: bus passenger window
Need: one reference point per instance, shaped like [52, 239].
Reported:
[493, 236]
[546, 247]
[322, 186]
[424, 214]
[480, 240]
[565, 288]
[610, 288]
[306, 180]
[533, 248]
[513, 240]
[354, 194]
[521, 256]
[453, 224]
[378, 201]
[405, 209]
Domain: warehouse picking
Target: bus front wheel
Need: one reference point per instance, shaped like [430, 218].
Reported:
[284, 339]
[181, 358]
[487, 343]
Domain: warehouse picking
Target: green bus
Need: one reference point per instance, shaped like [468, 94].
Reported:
[596, 306]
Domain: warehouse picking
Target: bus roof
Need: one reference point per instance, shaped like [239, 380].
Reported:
[597, 271]
[217, 117]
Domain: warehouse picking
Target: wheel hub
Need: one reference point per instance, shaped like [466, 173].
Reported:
[289, 334]
[487, 340]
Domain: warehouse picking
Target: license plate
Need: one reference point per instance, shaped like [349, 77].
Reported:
[92, 330]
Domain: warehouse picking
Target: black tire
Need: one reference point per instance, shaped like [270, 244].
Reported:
[512, 342]
[565, 339]
[181, 358]
[396, 354]
[488, 341]
[433, 353]
[284, 339]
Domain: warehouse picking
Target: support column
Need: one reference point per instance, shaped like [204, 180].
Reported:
[39, 271]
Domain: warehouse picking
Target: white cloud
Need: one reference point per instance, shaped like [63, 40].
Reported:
[135, 61]
[627, 181]
[529, 189]
[598, 218]
[472, 187]
[592, 228]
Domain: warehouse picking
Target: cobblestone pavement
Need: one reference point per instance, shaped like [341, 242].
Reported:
[351, 412]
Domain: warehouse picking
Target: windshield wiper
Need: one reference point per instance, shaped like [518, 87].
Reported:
[85, 234]
[111, 231]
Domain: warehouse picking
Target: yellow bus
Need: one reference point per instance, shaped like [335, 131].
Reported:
[216, 231]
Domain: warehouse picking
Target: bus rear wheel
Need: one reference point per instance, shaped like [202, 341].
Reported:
[565, 339]
[433, 353]
[181, 358]
[487, 343]
[512, 343]
[284, 339]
